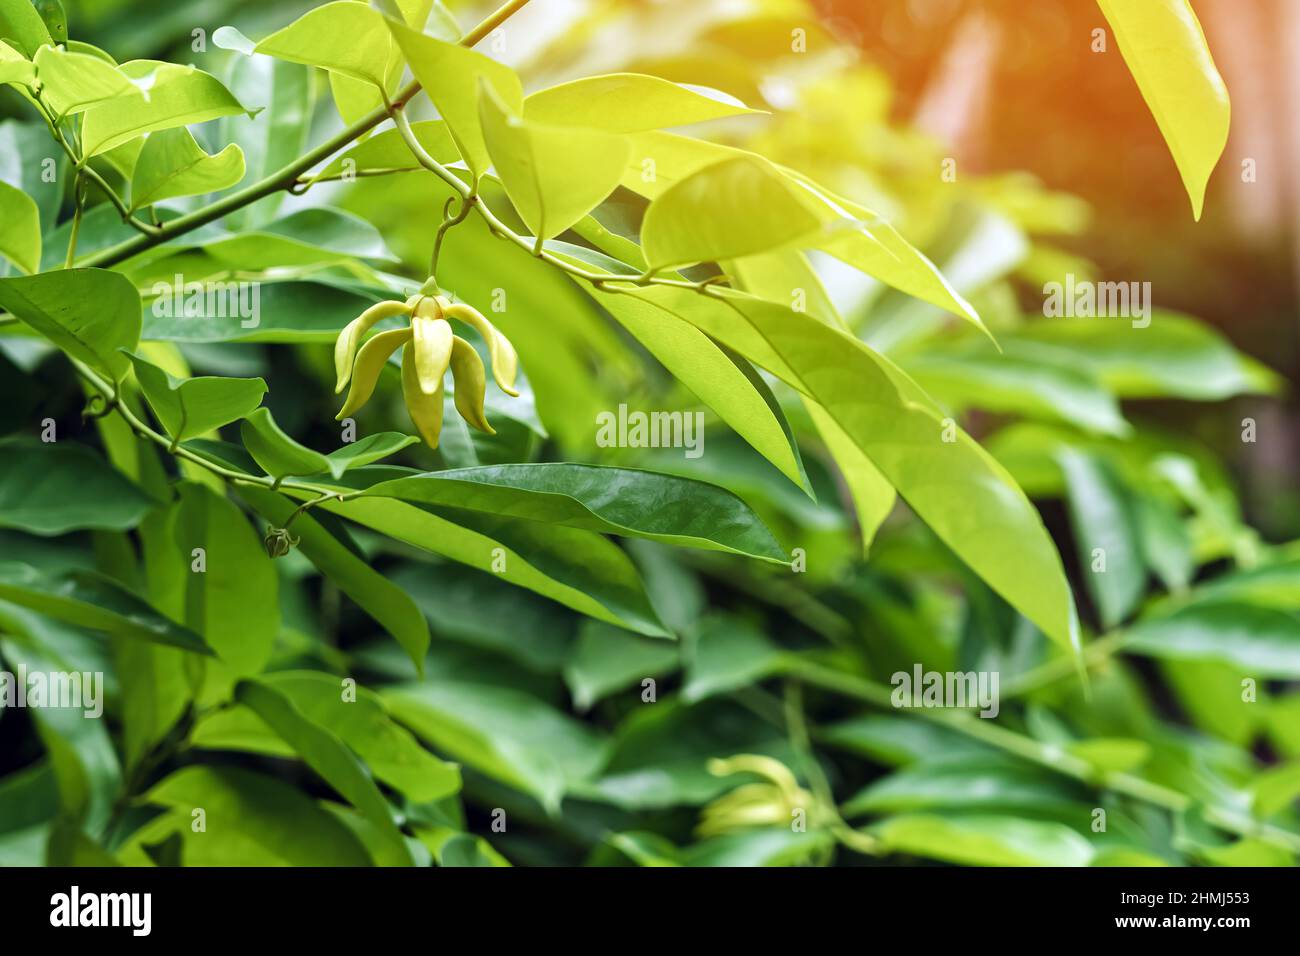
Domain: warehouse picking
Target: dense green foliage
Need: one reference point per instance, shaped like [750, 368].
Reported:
[490, 623]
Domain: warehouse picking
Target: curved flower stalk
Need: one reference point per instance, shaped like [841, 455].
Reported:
[429, 349]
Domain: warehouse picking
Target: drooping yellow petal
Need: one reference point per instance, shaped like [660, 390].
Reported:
[345, 346]
[425, 410]
[432, 345]
[471, 384]
[505, 361]
[370, 363]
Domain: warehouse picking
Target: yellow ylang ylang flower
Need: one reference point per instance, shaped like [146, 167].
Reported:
[429, 348]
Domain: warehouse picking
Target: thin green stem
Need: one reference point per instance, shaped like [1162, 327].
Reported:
[1051, 757]
[288, 176]
[79, 200]
[114, 403]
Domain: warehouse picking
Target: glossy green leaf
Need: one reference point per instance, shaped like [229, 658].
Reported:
[722, 380]
[20, 229]
[607, 659]
[172, 164]
[386, 150]
[972, 783]
[595, 498]
[1107, 535]
[966, 497]
[1261, 641]
[737, 207]
[343, 37]
[577, 568]
[985, 840]
[849, 232]
[177, 96]
[251, 820]
[91, 314]
[326, 754]
[289, 312]
[278, 454]
[508, 735]
[1173, 356]
[22, 26]
[190, 407]
[1165, 48]
[554, 175]
[88, 599]
[231, 595]
[357, 716]
[388, 604]
[274, 137]
[1012, 384]
[367, 451]
[451, 76]
[72, 83]
[15, 68]
[625, 103]
[729, 653]
[51, 489]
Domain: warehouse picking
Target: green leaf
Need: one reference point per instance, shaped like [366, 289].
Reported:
[51, 489]
[995, 785]
[579, 569]
[451, 76]
[172, 164]
[1174, 356]
[849, 232]
[72, 83]
[355, 715]
[737, 207]
[465, 849]
[387, 150]
[278, 454]
[626, 103]
[88, 599]
[1165, 48]
[965, 496]
[368, 450]
[91, 314]
[343, 37]
[985, 840]
[177, 96]
[777, 846]
[80, 753]
[1013, 384]
[275, 137]
[504, 733]
[233, 600]
[384, 601]
[873, 496]
[326, 754]
[22, 26]
[1261, 641]
[251, 820]
[308, 237]
[607, 659]
[190, 407]
[721, 379]
[729, 653]
[289, 312]
[15, 69]
[596, 498]
[899, 741]
[662, 752]
[554, 175]
[20, 229]
[1107, 536]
